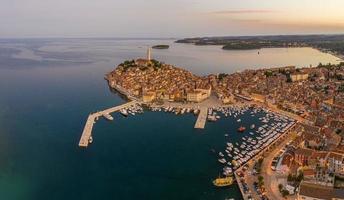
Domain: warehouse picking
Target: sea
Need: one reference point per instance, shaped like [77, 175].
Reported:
[48, 86]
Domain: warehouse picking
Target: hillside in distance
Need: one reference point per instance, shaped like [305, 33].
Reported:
[328, 43]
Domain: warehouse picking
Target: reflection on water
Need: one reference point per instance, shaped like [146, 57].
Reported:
[198, 59]
[25, 53]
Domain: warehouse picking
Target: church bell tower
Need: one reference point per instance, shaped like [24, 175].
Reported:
[149, 54]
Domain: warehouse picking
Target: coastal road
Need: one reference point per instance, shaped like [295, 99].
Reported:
[250, 179]
[271, 178]
[282, 112]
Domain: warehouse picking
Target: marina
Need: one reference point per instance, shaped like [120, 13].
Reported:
[252, 142]
[241, 182]
[271, 127]
[86, 136]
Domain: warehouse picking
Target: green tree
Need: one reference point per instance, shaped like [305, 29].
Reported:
[285, 193]
[299, 178]
[268, 73]
[341, 88]
[260, 178]
[260, 181]
[280, 187]
[222, 75]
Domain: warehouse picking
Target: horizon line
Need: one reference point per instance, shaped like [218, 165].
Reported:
[166, 38]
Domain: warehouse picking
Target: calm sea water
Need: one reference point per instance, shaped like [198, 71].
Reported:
[49, 86]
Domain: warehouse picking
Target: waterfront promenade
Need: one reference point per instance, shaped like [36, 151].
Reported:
[272, 178]
[91, 120]
[250, 179]
[202, 118]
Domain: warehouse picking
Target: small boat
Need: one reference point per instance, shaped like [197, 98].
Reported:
[253, 126]
[90, 140]
[124, 112]
[234, 162]
[211, 118]
[239, 120]
[222, 160]
[108, 116]
[227, 171]
[222, 182]
[241, 129]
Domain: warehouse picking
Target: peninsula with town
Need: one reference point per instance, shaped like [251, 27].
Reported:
[297, 149]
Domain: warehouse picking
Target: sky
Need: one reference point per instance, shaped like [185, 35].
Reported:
[168, 18]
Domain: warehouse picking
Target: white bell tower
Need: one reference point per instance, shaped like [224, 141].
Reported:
[149, 54]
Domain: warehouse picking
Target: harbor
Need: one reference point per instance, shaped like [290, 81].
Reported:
[251, 142]
[86, 136]
[254, 138]
[245, 190]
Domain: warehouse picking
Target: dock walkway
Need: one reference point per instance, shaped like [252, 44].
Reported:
[87, 132]
[202, 118]
[278, 140]
[241, 187]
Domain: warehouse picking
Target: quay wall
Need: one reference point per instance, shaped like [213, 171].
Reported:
[259, 155]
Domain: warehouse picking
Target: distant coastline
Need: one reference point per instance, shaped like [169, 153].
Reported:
[332, 44]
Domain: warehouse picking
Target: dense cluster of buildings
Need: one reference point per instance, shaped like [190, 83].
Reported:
[316, 94]
[317, 154]
[151, 80]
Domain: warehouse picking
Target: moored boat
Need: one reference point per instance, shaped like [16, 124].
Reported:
[211, 118]
[124, 112]
[222, 160]
[241, 129]
[222, 182]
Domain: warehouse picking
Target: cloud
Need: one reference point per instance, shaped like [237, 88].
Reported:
[236, 12]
